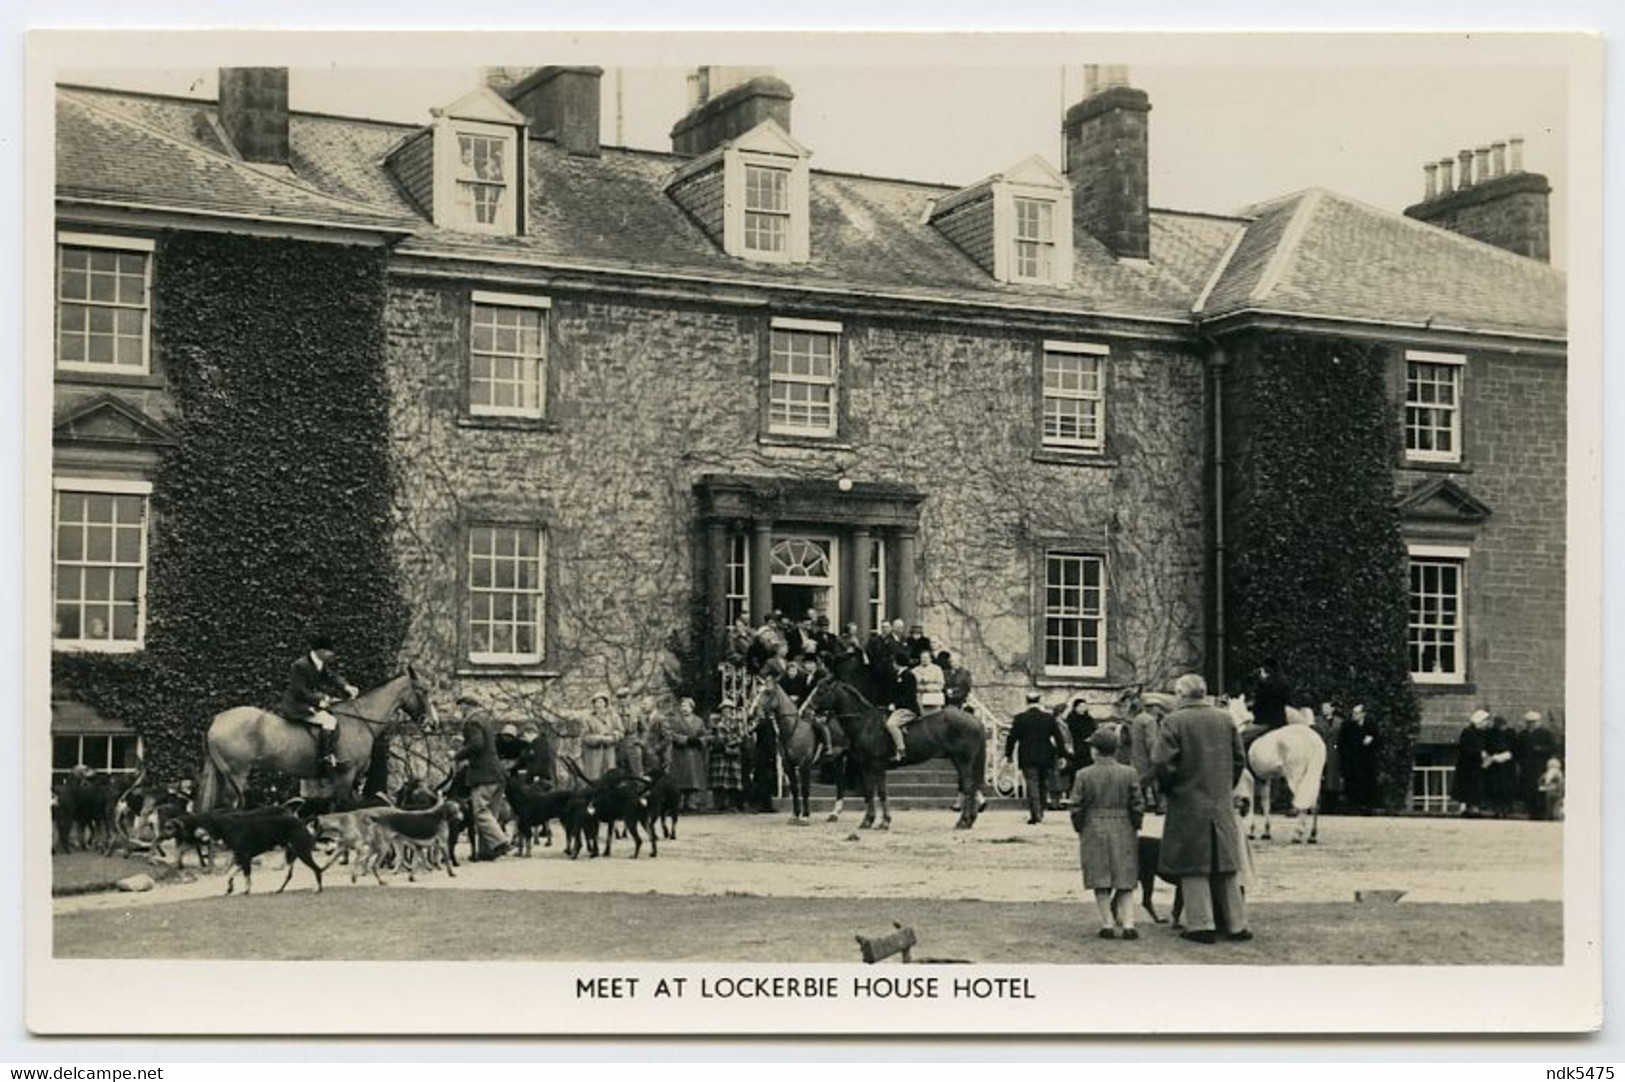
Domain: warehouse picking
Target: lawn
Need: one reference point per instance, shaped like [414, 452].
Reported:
[404, 923]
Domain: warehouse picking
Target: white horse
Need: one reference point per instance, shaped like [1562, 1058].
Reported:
[1294, 753]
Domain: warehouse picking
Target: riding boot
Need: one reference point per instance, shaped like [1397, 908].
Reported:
[327, 747]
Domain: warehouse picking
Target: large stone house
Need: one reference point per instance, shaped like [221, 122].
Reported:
[636, 394]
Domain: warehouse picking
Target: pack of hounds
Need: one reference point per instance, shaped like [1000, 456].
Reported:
[416, 829]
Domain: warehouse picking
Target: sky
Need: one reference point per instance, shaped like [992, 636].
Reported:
[1222, 137]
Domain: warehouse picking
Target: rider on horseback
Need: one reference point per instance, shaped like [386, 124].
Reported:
[925, 685]
[313, 684]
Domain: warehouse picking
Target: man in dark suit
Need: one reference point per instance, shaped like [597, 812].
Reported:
[313, 683]
[1034, 735]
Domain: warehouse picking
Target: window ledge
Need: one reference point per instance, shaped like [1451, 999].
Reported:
[1463, 688]
[467, 670]
[510, 424]
[1101, 681]
[824, 443]
[1056, 457]
[1435, 467]
[119, 648]
[109, 378]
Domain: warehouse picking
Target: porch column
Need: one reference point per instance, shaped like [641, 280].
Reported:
[761, 570]
[716, 590]
[857, 590]
[907, 602]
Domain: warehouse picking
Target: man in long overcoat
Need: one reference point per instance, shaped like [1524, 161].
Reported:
[1198, 759]
[1036, 743]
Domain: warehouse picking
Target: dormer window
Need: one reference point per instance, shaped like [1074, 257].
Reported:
[483, 179]
[1034, 256]
[767, 208]
[466, 169]
[1016, 225]
[751, 195]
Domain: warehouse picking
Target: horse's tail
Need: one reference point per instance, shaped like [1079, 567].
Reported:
[208, 790]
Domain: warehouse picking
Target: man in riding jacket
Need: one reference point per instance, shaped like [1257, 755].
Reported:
[313, 684]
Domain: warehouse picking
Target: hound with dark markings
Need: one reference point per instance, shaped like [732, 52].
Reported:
[250, 834]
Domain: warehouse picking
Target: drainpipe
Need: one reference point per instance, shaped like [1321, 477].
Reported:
[1218, 363]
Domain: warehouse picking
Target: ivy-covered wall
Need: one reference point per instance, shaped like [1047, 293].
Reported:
[1315, 564]
[272, 511]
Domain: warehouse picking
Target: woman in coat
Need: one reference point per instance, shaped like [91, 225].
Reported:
[1500, 772]
[684, 737]
[601, 732]
[1467, 784]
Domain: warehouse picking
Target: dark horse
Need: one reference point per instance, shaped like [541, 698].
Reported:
[947, 733]
[244, 737]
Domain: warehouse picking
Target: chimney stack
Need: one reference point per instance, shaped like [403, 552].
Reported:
[562, 103]
[1108, 161]
[1495, 201]
[253, 112]
[726, 102]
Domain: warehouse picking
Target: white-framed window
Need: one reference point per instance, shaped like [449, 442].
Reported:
[738, 589]
[877, 580]
[1433, 406]
[804, 378]
[99, 564]
[1074, 614]
[767, 208]
[507, 365]
[114, 754]
[103, 303]
[506, 566]
[1436, 632]
[1074, 385]
[1033, 259]
[484, 173]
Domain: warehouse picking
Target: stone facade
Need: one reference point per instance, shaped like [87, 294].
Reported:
[1510, 211]
[1513, 463]
[648, 397]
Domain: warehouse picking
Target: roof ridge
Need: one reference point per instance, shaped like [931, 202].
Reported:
[1287, 247]
[237, 164]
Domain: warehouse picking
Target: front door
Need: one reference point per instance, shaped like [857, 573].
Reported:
[807, 575]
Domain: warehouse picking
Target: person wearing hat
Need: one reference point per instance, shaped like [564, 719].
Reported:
[509, 745]
[599, 736]
[1107, 810]
[538, 759]
[1198, 759]
[313, 685]
[723, 767]
[1467, 783]
[484, 776]
[1034, 744]
[682, 735]
[1533, 746]
[1145, 722]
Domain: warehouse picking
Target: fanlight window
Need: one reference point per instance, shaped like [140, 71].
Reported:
[801, 558]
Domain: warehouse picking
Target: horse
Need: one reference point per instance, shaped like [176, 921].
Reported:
[244, 737]
[949, 732]
[798, 746]
[1294, 753]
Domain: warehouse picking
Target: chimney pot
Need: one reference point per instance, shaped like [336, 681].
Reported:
[1466, 178]
[1515, 145]
[253, 111]
[1430, 176]
[1498, 158]
[1447, 183]
[1481, 163]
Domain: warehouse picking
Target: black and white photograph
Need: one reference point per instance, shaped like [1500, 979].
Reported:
[810, 543]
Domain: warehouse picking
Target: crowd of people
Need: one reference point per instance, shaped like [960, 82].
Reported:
[1501, 770]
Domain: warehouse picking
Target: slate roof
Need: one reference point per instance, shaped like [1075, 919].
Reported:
[1312, 253]
[1319, 253]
